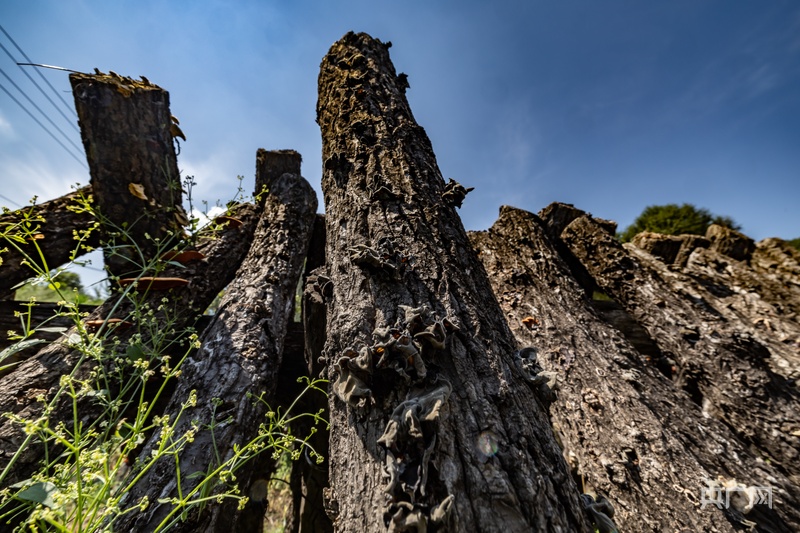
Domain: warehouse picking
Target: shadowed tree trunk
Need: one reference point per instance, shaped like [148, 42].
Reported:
[309, 479]
[709, 352]
[432, 424]
[54, 226]
[237, 363]
[40, 374]
[626, 430]
[128, 135]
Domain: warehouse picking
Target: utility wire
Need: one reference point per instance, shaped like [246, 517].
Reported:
[70, 121]
[64, 146]
[9, 200]
[39, 109]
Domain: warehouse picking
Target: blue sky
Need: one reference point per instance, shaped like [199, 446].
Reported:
[610, 105]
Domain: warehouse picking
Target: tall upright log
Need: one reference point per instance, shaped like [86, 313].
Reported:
[53, 227]
[271, 165]
[239, 361]
[41, 374]
[432, 423]
[712, 353]
[627, 431]
[128, 134]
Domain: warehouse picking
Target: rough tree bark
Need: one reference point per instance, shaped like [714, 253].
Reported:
[41, 373]
[238, 362]
[709, 351]
[432, 424]
[56, 243]
[271, 165]
[626, 430]
[128, 132]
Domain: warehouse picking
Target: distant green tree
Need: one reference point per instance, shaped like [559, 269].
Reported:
[67, 286]
[794, 242]
[674, 219]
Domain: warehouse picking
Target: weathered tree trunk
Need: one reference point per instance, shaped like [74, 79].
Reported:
[432, 424]
[310, 479]
[237, 363]
[626, 430]
[128, 134]
[54, 226]
[40, 374]
[711, 353]
[271, 165]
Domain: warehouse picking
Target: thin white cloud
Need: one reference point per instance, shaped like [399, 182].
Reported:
[32, 173]
[6, 129]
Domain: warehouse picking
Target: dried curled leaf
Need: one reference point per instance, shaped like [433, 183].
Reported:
[176, 131]
[137, 190]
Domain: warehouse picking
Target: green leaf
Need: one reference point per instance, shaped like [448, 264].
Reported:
[53, 329]
[134, 352]
[38, 493]
[19, 346]
[9, 366]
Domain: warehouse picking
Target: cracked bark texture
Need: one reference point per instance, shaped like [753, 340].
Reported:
[127, 132]
[41, 373]
[712, 353]
[495, 454]
[627, 431]
[56, 245]
[240, 355]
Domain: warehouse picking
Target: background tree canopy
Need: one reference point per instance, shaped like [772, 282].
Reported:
[68, 287]
[672, 219]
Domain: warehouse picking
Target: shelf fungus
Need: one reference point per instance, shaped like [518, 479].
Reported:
[354, 369]
[154, 283]
[397, 351]
[110, 323]
[409, 439]
[600, 513]
[454, 193]
[544, 382]
[183, 256]
[385, 257]
[405, 517]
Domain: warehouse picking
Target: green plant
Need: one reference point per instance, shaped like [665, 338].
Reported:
[87, 471]
[673, 219]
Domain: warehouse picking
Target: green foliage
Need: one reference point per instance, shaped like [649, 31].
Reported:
[674, 219]
[794, 243]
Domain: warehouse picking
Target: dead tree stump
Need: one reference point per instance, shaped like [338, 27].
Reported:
[432, 424]
[54, 234]
[128, 134]
[707, 352]
[238, 362]
[627, 432]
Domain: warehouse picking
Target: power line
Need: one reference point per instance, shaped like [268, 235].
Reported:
[70, 121]
[9, 200]
[40, 110]
[64, 146]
